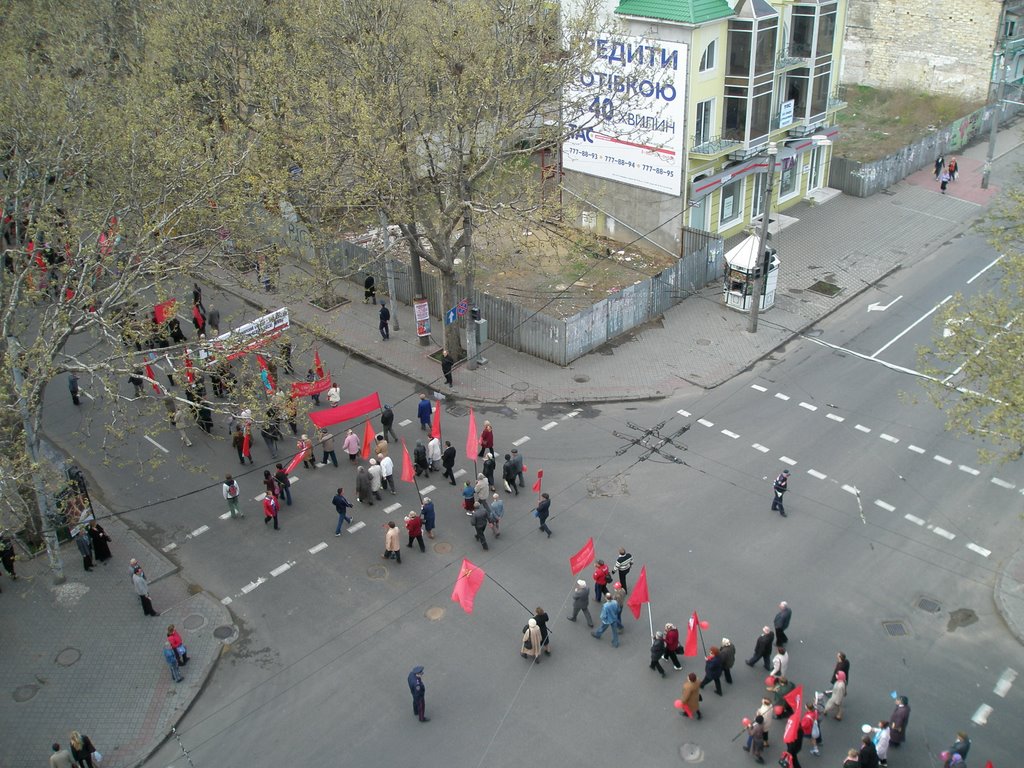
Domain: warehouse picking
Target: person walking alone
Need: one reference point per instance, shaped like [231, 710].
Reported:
[230, 490]
[341, 504]
[385, 319]
[73, 388]
[542, 512]
[447, 363]
[419, 694]
[448, 462]
[779, 487]
[142, 590]
[581, 602]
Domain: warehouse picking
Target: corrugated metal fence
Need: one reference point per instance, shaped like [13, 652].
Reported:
[551, 338]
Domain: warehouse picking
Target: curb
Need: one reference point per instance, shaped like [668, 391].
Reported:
[1003, 593]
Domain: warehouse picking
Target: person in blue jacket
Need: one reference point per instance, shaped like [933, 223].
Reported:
[419, 694]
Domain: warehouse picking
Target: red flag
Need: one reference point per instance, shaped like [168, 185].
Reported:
[795, 700]
[540, 476]
[472, 442]
[296, 460]
[319, 366]
[583, 558]
[690, 649]
[368, 440]
[152, 378]
[639, 595]
[163, 311]
[247, 443]
[198, 317]
[189, 374]
[467, 585]
[435, 428]
[407, 471]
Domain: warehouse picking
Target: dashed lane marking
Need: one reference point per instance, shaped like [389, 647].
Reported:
[572, 414]
[393, 507]
[356, 526]
[225, 516]
[787, 460]
[405, 422]
[154, 442]
[684, 414]
[521, 440]
[759, 447]
[87, 394]
[885, 505]
[808, 406]
[460, 473]
[980, 550]
[915, 448]
[705, 422]
[758, 387]
[1005, 681]
[318, 548]
[226, 601]
[862, 428]
[980, 716]
[834, 417]
[817, 474]
[550, 425]
[914, 519]
[889, 438]
[170, 547]
[942, 459]
[1002, 483]
[850, 489]
[781, 396]
[727, 433]
[427, 489]
[252, 585]
[944, 533]
[968, 470]
[198, 531]
[282, 568]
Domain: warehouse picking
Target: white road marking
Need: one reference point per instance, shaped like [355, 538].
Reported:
[910, 327]
[980, 550]
[261, 497]
[282, 568]
[835, 418]
[199, 531]
[226, 601]
[862, 428]
[986, 268]
[817, 474]
[942, 459]
[252, 585]
[293, 479]
[968, 470]
[914, 519]
[356, 526]
[885, 505]
[550, 425]
[890, 438]
[225, 516]
[427, 489]
[980, 717]
[759, 447]
[521, 440]
[318, 548]
[397, 505]
[705, 422]
[808, 406]
[850, 489]
[460, 473]
[781, 396]
[169, 547]
[915, 449]
[758, 387]
[1003, 483]
[727, 433]
[685, 414]
[1005, 681]
[572, 414]
[787, 460]
[944, 533]
[154, 442]
[405, 422]
[87, 394]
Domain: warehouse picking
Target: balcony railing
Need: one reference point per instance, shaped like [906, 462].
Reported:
[711, 145]
[789, 57]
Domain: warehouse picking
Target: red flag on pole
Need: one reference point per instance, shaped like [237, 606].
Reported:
[189, 374]
[467, 585]
[319, 366]
[197, 316]
[435, 427]
[407, 471]
[163, 311]
[472, 442]
[795, 699]
[583, 558]
[368, 440]
[540, 476]
[152, 378]
[639, 595]
[690, 649]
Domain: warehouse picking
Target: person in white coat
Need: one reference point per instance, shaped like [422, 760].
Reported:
[375, 478]
[836, 697]
[434, 453]
[387, 472]
[780, 662]
[880, 735]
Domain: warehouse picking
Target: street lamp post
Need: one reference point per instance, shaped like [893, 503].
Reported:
[759, 281]
[994, 130]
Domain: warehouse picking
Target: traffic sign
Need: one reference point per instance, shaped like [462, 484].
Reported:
[462, 307]
[450, 315]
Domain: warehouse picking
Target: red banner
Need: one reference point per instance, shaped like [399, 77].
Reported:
[307, 388]
[346, 411]
[408, 473]
[583, 558]
[472, 443]
[368, 440]
[435, 428]
[295, 462]
[317, 365]
[690, 649]
[795, 699]
[639, 595]
[163, 311]
[471, 577]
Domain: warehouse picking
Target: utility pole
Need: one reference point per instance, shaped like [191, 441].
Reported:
[994, 130]
[762, 255]
[42, 498]
[389, 269]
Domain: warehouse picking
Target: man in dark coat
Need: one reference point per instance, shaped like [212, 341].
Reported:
[782, 623]
[480, 524]
[508, 475]
[657, 651]
[419, 694]
[427, 513]
[727, 653]
[387, 421]
[581, 602]
[448, 461]
[447, 363]
[762, 648]
[543, 510]
[385, 318]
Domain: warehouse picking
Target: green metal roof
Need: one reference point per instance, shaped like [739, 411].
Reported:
[684, 11]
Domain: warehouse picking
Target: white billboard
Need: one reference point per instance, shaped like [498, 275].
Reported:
[629, 114]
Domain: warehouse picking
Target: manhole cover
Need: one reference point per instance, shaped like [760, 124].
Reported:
[824, 288]
[581, 379]
[377, 572]
[457, 410]
[961, 617]
[194, 589]
[519, 386]
[895, 628]
[691, 753]
[68, 656]
[607, 486]
[194, 621]
[929, 605]
[224, 631]
[704, 342]
[25, 692]
[442, 547]
[434, 613]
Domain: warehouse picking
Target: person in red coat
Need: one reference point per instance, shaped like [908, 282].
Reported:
[602, 575]
[414, 525]
[270, 508]
[486, 440]
[672, 645]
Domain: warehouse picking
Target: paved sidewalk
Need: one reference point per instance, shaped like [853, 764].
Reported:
[87, 658]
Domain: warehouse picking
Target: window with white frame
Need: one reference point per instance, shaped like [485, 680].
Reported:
[789, 178]
[707, 60]
[703, 122]
[731, 208]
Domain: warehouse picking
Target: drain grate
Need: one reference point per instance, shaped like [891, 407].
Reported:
[895, 628]
[825, 288]
[929, 605]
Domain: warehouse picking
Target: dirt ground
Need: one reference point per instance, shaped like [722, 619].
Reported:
[877, 123]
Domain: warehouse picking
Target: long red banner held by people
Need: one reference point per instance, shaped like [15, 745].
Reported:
[690, 649]
[408, 473]
[295, 462]
[540, 477]
[435, 428]
[583, 558]
[472, 442]
[346, 411]
[467, 585]
[307, 388]
[639, 595]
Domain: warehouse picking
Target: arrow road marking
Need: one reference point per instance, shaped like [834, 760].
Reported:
[910, 327]
[875, 306]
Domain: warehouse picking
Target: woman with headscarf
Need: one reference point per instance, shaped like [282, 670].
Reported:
[836, 696]
[486, 440]
[419, 694]
[531, 646]
[363, 488]
[100, 542]
[898, 721]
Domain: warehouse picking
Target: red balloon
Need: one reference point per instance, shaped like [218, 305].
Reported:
[769, 681]
[679, 703]
[779, 709]
[746, 722]
[705, 624]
